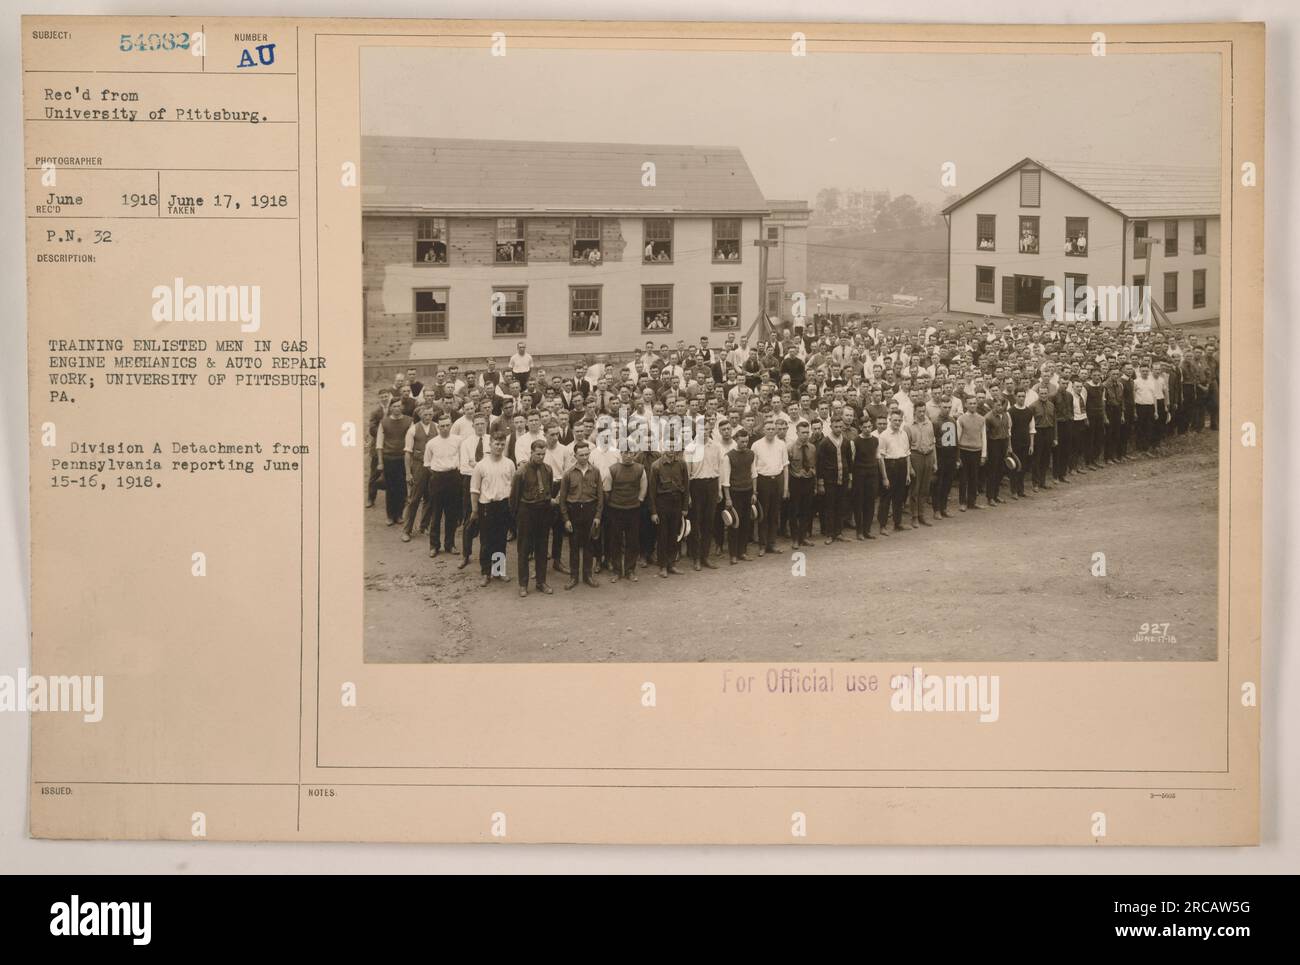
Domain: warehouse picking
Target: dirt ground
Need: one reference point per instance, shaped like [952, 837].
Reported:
[1011, 582]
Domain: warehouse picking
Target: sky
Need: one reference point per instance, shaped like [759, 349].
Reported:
[861, 120]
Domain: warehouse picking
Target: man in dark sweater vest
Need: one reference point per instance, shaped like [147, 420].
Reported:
[582, 498]
[1022, 442]
[834, 473]
[866, 471]
[998, 428]
[531, 502]
[738, 494]
[946, 454]
[418, 474]
[391, 442]
[627, 490]
[670, 498]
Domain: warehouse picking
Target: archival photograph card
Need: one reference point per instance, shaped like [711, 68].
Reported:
[644, 432]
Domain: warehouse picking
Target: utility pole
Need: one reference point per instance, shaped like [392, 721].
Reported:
[762, 321]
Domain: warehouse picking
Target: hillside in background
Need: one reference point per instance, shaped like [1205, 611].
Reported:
[878, 265]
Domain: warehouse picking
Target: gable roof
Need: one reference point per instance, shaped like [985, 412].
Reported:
[1133, 190]
[416, 174]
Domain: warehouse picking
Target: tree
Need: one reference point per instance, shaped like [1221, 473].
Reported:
[828, 200]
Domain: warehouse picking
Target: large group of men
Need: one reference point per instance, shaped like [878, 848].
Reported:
[701, 452]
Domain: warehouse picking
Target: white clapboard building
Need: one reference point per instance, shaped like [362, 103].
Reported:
[1040, 224]
[470, 246]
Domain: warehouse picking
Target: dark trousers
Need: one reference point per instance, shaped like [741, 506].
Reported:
[1044, 437]
[1193, 412]
[522, 379]
[704, 505]
[557, 529]
[896, 498]
[471, 526]
[947, 456]
[534, 525]
[970, 476]
[1146, 416]
[922, 477]
[649, 532]
[802, 489]
[1114, 428]
[444, 493]
[494, 519]
[600, 544]
[669, 511]
[742, 505]
[863, 498]
[624, 538]
[833, 500]
[1096, 437]
[1126, 431]
[417, 497]
[1026, 460]
[374, 475]
[581, 516]
[769, 499]
[1064, 442]
[394, 487]
[997, 467]
[1158, 427]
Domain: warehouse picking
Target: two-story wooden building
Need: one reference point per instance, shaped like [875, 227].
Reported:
[1040, 224]
[471, 246]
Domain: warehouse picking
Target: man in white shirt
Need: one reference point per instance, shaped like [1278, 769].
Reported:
[524, 442]
[521, 364]
[559, 458]
[473, 448]
[442, 459]
[704, 469]
[896, 450]
[1146, 393]
[489, 488]
[772, 483]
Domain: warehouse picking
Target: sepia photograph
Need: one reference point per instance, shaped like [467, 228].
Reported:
[877, 357]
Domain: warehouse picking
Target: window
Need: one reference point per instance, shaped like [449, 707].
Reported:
[726, 307]
[1030, 188]
[774, 233]
[1198, 288]
[509, 311]
[1076, 296]
[656, 308]
[1029, 234]
[986, 232]
[774, 302]
[1198, 236]
[584, 310]
[1139, 281]
[726, 239]
[431, 312]
[1139, 239]
[586, 240]
[1170, 303]
[658, 239]
[1076, 237]
[431, 241]
[511, 247]
[983, 284]
[1171, 239]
